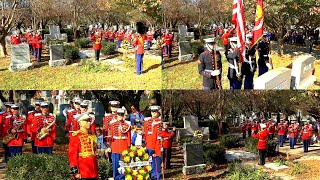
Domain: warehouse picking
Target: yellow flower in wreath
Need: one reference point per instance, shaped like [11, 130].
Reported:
[147, 176]
[140, 177]
[146, 157]
[149, 168]
[126, 159]
[128, 177]
[125, 152]
[141, 171]
[134, 172]
[140, 152]
[131, 154]
[127, 169]
[133, 148]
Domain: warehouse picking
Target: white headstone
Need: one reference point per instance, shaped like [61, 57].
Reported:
[302, 69]
[20, 57]
[183, 29]
[279, 78]
[56, 55]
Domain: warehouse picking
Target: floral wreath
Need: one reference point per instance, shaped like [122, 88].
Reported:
[125, 44]
[197, 134]
[135, 164]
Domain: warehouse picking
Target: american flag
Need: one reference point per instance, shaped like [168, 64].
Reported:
[239, 21]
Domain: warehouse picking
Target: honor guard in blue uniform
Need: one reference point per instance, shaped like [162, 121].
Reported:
[249, 66]
[234, 70]
[210, 66]
[264, 53]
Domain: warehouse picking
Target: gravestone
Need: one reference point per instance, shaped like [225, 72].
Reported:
[279, 78]
[193, 159]
[56, 55]
[302, 69]
[191, 125]
[20, 58]
[183, 29]
[185, 51]
[55, 34]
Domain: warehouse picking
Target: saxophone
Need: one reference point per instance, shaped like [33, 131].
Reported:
[10, 136]
[44, 132]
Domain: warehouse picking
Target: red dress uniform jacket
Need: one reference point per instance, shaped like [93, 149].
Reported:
[254, 127]
[106, 122]
[263, 136]
[32, 41]
[97, 42]
[120, 35]
[167, 138]
[168, 38]
[41, 121]
[225, 38]
[149, 36]
[305, 134]
[271, 128]
[15, 39]
[69, 126]
[2, 121]
[147, 128]
[243, 127]
[120, 132]
[6, 124]
[30, 118]
[249, 125]
[291, 131]
[296, 129]
[281, 129]
[27, 36]
[37, 41]
[82, 154]
[112, 35]
[310, 129]
[18, 122]
[127, 37]
[138, 43]
[156, 137]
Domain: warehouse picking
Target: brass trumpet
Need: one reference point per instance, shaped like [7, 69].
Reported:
[44, 132]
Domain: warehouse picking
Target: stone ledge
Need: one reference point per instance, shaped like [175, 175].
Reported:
[196, 169]
[54, 63]
[20, 67]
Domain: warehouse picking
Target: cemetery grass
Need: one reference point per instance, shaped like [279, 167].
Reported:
[184, 75]
[71, 77]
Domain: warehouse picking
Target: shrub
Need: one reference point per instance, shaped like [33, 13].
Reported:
[108, 48]
[197, 47]
[67, 31]
[238, 171]
[71, 52]
[35, 166]
[105, 169]
[214, 153]
[230, 141]
[251, 145]
[82, 42]
[47, 167]
[93, 66]
[129, 62]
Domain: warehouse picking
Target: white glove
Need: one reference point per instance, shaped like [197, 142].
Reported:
[269, 66]
[215, 73]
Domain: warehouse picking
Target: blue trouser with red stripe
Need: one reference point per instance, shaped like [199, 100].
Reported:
[115, 165]
[119, 43]
[156, 168]
[139, 63]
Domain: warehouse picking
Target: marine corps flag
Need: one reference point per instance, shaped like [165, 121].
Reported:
[258, 25]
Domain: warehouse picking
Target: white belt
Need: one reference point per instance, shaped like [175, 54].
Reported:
[265, 55]
[159, 137]
[149, 132]
[166, 138]
[118, 137]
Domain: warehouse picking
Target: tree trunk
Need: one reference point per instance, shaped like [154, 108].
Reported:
[11, 96]
[219, 119]
[280, 42]
[3, 49]
[170, 115]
